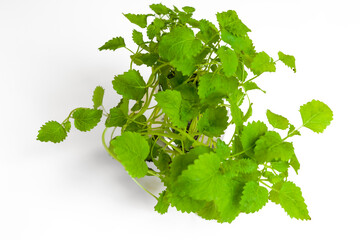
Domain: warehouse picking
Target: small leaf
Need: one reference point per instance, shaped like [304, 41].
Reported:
[98, 97]
[137, 37]
[138, 19]
[162, 204]
[116, 118]
[316, 115]
[188, 9]
[131, 150]
[230, 21]
[289, 196]
[228, 59]
[130, 84]
[250, 134]
[252, 86]
[113, 44]
[67, 126]
[294, 163]
[292, 131]
[52, 131]
[86, 119]
[213, 122]
[262, 63]
[288, 60]
[277, 121]
[254, 197]
[160, 9]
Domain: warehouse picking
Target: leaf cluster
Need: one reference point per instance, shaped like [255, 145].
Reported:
[201, 76]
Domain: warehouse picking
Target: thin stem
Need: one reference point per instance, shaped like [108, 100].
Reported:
[144, 188]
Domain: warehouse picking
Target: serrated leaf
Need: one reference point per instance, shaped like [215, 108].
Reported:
[228, 59]
[262, 63]
[52, 131]
[116, 118]
[180, 47]
[154, 29]
[277, 121]
[188, 9]
[240, 166]
[250, 134]
[230, 21]
[130, 84]
[213, 122]
[67, 126]
[149, 59]
[137, 37]
[162, 204]
[213, 87]
[113, 44]
[131, 150]
[280, 166]
[86, 119]
[253, 198]
[222, 149]
[138, 19]
[288, 60]
[292, 131]
[98, 97]
[160, 9]
[252, 86]
[316, 115]
[170, 103]
[270, 146]
[290, 198]
[208, 32]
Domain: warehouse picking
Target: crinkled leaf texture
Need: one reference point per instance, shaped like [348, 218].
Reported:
[253, 198]
[131, 150]
[52, 131]
[86, 119]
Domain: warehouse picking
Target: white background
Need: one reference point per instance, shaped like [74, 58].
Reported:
[49, 64]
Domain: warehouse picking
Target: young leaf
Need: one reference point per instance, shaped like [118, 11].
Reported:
[131, 150]
[170, 103]
[160, 9]
[155, 28]
[52, 131]
[289, 196]
[130, 85]
[86, 119]
[188, 9]
[292, 131]
[137, 37]
[208, 32]
[229, 60]
[294, 163]
[98, 97]
[316, 115]
[116, 118]
[213, 122]
[277, 121]
[230, 21]
[250, 134]
[262, 63]
[253, 198]
[288, 60]
[251, 86]
[67, 126]
[162, 204]
[270, 146]
[113, 44]
[138, 19]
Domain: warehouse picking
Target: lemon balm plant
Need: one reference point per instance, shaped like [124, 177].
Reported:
[200, 78]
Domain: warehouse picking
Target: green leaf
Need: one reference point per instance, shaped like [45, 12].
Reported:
[252, 86]
[170, 103]
[222, 149]
[52, 131]
[316, 115]
[160, 9]
[240, 166]
[163, 162]
[271, 147]
[67, 126]
[154, 29]
[277, 121]
[162, 204]
[130, 84]
[292, 131]
[213, 122]
[294, 163]
[86, 119]
[250, 134]
[254, 197]
[262, 63]
[280, 166]
[288, 60]
[230, 21]
[137, 37]
[131, 150]
[116, 118]
[213, 87]
[138, 19]
[137, 126]
[98, 97]
[180, 47]
[188, 9]
[208, 32]
[113, 44]
[149, 59]
[290, 198]
[137, 106]
[228, 59]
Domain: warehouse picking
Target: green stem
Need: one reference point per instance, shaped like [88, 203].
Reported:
[144, 188]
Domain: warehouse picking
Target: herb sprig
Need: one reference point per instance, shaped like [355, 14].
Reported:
[201, 76]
